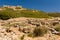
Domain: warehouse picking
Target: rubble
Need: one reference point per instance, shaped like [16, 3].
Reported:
[15, 30]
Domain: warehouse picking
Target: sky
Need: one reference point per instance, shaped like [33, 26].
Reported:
[43, 5]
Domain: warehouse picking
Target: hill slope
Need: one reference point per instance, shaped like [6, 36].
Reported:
[10, 13]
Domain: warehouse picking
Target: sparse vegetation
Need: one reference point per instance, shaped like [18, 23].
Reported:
[56, 14]
[10, 13]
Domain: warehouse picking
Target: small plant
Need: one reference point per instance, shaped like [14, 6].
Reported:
[30, 34]
[37, 32]
[40, 31]
[22, 37]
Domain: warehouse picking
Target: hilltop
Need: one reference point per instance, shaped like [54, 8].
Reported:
[7, 12]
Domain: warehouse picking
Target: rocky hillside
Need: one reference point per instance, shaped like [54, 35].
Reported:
[18, 23]
[30, 29]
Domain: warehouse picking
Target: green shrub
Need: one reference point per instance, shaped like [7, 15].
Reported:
[4, 17]
[40, 31]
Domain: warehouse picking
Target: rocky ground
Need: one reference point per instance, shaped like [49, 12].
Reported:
[18, 28]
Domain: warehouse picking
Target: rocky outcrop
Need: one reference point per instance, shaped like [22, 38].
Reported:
[14, 29]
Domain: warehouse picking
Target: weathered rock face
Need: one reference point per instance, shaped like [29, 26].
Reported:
[14, 29]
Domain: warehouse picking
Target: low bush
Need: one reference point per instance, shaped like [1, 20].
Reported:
[38, 32]
[4, 17]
